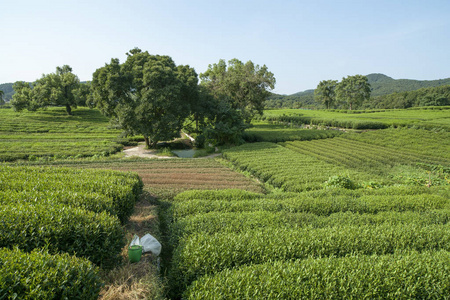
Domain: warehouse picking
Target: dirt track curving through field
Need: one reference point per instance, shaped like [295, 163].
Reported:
[140, 151]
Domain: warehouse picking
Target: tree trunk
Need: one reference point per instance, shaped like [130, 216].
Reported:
[68, 109]
[147, 142]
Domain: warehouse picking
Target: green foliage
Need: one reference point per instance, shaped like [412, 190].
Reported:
[55, 89]
[409, 275]
[145, 95]
[340, 181]
[244, 87]
[40, 275]
[353, 90]
[325, 93]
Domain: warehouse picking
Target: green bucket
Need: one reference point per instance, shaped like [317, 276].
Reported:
[134, 253]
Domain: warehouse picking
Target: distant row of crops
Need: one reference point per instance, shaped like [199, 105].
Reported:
[225, 240]
[75, 211]
[428, 118]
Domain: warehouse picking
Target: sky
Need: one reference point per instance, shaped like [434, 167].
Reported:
[300, 42]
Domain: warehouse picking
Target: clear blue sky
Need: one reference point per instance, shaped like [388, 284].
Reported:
[301, 42]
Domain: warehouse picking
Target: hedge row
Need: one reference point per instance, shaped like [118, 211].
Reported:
[237, 222]
[201, 254]
[98, 237]
[123, 188]
[324, 205]
[40, 275]
[400, 276]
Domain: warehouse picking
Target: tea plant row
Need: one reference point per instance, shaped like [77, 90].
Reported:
[63, 210]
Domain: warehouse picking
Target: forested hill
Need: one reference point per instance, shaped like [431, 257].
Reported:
[384, 85]
[7, 90]
[380, 83]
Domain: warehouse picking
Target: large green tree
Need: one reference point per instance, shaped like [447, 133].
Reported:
[325, 93]
[244, 86]
[1, 97]
[147, 94]
[353, 90]
[54, 89]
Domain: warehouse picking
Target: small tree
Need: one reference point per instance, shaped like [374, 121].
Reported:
[325, 93]
[54, 89]
[353, 90]
[1, 97]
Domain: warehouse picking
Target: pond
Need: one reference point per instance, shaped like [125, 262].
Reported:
[189, 153]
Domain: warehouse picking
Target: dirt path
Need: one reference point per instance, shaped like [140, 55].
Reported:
[140, 151]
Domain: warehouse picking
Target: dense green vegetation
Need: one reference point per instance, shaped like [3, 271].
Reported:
[52, 134]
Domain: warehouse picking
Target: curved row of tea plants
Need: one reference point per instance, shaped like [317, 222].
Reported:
[286, 169]
[409, 275]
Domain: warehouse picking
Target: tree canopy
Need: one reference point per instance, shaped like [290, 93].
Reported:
[325, 93]
[54, 89]
[353, 90]
[147, 94]
[244, 86]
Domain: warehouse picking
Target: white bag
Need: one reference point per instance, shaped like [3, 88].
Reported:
[148, 243]
[151, 244]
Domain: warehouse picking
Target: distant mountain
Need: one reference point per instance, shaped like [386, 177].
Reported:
[380, 83]
[384, 85]
[7, 90]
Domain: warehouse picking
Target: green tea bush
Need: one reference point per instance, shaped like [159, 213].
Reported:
[201, 254]
[40, 275]
[400, 276]
[98, 237]
[226, 194]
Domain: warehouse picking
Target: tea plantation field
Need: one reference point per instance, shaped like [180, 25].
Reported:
[294, 214]
[52, 134]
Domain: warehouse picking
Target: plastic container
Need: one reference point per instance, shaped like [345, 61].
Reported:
[134, 253]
